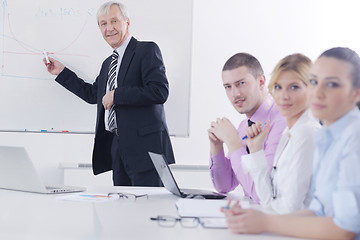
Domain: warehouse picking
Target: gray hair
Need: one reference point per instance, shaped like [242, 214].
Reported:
[105, 8]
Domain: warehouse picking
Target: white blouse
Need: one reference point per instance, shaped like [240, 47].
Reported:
[286, 188]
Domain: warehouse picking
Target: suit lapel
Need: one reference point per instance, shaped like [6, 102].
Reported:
[125, 62]
[102, 84]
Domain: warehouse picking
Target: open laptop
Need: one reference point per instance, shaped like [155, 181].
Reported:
[170, 184]
[17, 172]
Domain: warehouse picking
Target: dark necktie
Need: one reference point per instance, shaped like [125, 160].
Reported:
[249, 124]
[111, 84]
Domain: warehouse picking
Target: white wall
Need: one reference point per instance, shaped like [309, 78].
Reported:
[267, 29]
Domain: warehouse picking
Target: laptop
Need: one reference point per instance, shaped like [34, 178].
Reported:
[170, 184]
[17, 172]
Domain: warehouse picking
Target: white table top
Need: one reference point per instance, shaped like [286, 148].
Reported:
[38, 216]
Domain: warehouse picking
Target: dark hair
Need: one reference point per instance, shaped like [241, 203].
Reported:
[244, 59]
[347, 55]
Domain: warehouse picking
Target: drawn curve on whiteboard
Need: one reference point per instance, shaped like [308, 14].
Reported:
[40, 52]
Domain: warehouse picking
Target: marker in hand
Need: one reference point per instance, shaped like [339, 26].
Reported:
[228, 205]
[46, 57]
[262, 126]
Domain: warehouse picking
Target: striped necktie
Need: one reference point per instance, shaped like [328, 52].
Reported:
[111, 84]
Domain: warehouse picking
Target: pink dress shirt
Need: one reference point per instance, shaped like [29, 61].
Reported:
[227, 172]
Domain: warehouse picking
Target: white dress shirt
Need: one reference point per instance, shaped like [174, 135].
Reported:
[286, 188]
[121, 51]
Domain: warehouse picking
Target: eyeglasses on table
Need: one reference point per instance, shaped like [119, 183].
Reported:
[128, 196]
[169, 221]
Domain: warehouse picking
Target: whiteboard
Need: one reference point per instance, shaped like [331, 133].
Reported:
[31, 99]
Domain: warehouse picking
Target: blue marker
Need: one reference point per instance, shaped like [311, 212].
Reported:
[43, 131]
[262, 125]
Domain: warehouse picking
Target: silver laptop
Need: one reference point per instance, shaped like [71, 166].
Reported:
[17, 172]
[170, 184]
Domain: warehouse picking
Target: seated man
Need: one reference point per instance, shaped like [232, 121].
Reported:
[244, 83]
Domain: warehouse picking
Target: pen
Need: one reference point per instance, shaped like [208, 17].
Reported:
[46, 57]
[262, 125]
[227, 207]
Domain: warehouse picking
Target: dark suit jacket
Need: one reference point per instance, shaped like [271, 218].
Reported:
[142, 90]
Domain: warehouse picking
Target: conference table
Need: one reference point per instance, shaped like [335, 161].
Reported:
[26, 215]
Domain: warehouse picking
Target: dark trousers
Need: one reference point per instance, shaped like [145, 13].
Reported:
[124, 176]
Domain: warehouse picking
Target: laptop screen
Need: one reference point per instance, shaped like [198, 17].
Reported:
[17, 171]
[165, 174]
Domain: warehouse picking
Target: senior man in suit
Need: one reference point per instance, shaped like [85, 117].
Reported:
[129, 92]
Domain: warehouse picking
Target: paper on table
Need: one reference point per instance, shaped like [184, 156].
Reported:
[133, 190]
[87, 197]
[200, 207]
[203, 207]
[148, 191]
[213, 222]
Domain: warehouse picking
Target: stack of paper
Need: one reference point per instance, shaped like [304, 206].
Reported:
[203, 207]
[208, 211]
[87, 197]
[213, 222]
[200, 207]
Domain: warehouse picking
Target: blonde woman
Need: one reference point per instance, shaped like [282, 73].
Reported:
[286, 188]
